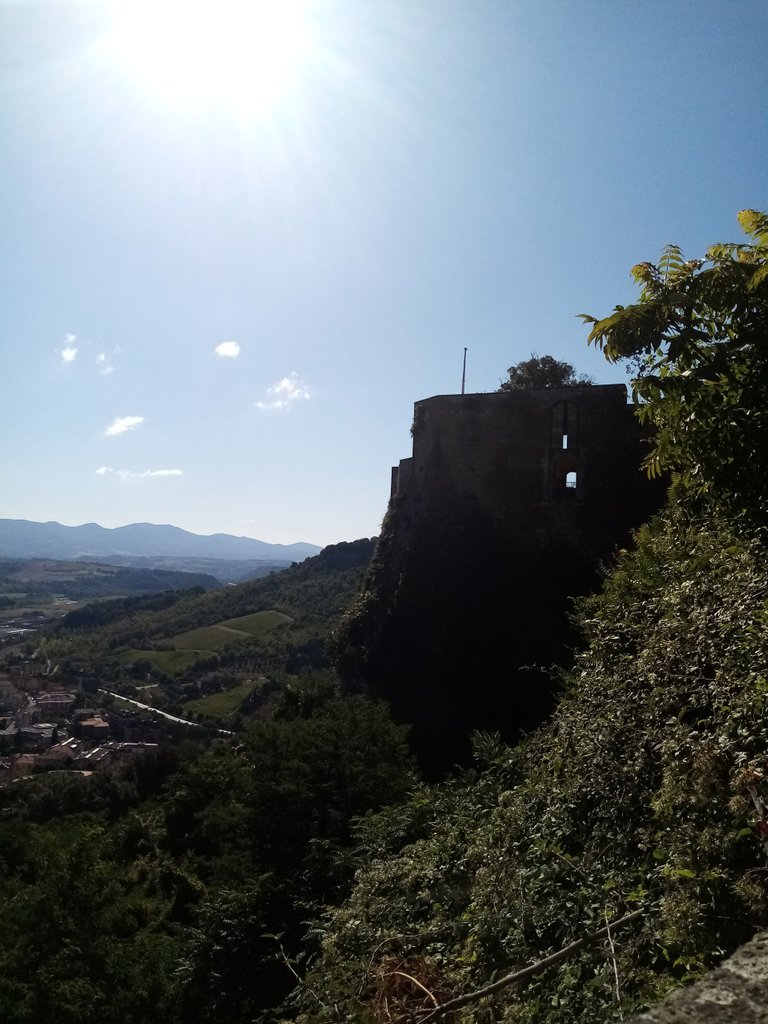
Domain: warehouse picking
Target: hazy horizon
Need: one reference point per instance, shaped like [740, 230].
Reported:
[120, 526]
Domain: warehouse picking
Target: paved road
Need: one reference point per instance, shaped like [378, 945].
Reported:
[163, 714]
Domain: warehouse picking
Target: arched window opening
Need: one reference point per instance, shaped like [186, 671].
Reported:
[571, 480]
[565, 442]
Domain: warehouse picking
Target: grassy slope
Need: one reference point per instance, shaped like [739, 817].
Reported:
[271, 616]
[223, 634]
[189, 647]
[256, 624]
[220, 705]
[171, 662]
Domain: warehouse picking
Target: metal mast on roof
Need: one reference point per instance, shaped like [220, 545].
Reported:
[464, 371]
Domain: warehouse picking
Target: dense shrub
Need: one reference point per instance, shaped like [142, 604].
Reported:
[636, 796]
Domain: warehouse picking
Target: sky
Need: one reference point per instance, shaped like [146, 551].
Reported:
[241, 239]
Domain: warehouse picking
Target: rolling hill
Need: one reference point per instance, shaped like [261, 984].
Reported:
[20, 538]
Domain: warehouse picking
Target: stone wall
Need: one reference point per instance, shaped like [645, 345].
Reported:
[467, 602]
[554, 463]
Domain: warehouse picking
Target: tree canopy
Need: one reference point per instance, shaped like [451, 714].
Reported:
[542, 372]
[699, 338]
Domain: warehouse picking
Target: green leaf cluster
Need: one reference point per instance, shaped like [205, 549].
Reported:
[542, 372]
[187, 895]
[699, 338]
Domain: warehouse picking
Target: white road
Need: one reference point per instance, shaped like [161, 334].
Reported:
[163, 714]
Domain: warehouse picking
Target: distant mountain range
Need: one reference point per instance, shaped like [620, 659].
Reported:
[20, 538]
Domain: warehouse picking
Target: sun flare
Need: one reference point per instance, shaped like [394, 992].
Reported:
[245, 54]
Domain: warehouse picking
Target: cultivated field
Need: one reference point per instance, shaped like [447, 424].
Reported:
[170, 662]
[219, 705]
[206, 640]
[223, 634]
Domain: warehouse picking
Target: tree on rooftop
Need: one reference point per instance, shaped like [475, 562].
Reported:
[542, 372]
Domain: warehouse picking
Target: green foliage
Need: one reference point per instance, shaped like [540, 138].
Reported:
[542, 372]
[101, 613]
[636, 795]
[698, 334]
[83, 936]
[257, 624]
[267, 827]
[279, 620]
[220, 705]
[179, 890]
[172, 662]
[55, 794]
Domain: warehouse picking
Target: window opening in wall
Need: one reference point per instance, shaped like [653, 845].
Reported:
[571, 480]
[565, 426]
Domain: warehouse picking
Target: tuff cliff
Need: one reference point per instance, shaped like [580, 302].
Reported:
[508, 507]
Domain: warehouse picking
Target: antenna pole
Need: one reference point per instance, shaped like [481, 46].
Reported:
[464, 371]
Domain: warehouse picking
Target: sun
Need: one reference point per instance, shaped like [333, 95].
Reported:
[243, 54]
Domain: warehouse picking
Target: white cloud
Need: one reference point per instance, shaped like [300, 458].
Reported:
[229, 349]
[120, 424]
[284, 393]
[103, 364]
[130, 474]
[69, 352]
[103, 361]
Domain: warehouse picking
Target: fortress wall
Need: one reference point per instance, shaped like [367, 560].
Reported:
[501, 455]
[482, 551]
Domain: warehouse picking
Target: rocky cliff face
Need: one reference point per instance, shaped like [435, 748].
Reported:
[734, 993]
[506, 511]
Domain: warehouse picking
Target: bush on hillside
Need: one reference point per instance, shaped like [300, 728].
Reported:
[636, 796]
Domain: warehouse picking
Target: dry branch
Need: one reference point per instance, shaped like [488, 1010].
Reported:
[526, 972]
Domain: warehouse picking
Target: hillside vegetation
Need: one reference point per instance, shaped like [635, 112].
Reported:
[178, 889]
[635, 797]
[641, 805]
[38, 582]
[186, 643]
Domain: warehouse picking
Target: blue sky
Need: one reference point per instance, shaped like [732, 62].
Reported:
[237, 250]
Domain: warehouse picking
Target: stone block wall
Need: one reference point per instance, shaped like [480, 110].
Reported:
[558, 464]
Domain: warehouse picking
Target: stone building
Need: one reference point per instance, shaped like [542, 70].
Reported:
[53, 704]
[510, 506]
[549, 464]
[92, 729]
